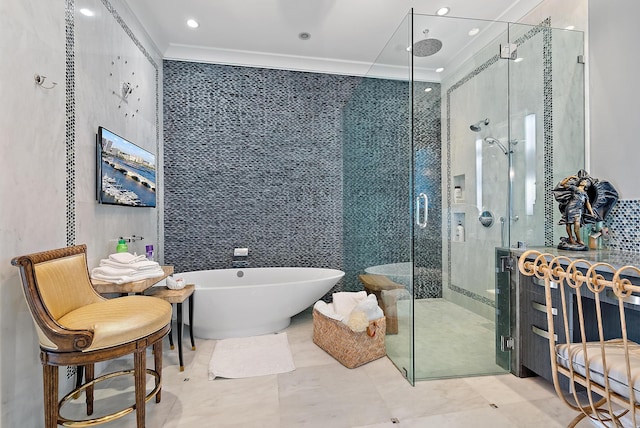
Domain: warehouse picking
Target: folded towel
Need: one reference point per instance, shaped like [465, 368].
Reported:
[128, 278]
[369, 307]
[126, 258]
[139, 265]
[112, 271]
[326, 309]
[345, 301]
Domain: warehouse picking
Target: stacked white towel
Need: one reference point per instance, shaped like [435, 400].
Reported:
[126, 267]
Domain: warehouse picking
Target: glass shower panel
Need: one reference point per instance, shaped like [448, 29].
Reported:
[476, 159]
[377, 190]
[546, 106]
[444, 171]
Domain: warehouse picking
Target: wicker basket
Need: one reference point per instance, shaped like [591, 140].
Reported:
[351, 349]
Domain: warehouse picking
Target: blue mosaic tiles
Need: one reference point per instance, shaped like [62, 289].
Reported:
[70, 121]
[252, 158]
[379, 184]
[377, 166]
[623, 224]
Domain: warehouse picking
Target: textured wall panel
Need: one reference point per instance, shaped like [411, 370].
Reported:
[253, 158]
[378, 190]
[623, 224]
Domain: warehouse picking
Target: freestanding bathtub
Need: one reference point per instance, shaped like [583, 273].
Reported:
[396, 272]
[253, 301]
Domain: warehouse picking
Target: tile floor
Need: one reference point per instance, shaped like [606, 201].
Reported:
[323, 393]
[451, 340]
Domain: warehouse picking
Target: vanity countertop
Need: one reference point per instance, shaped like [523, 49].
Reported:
[615, 258]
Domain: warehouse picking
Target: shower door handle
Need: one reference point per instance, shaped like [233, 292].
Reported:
[422, 224]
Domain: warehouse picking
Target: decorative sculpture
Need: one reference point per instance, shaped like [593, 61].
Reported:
[582, 200]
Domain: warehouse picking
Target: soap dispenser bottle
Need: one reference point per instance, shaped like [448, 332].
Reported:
[122, 246]
[460, 232]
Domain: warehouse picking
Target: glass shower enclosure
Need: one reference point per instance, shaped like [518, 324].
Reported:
[442, 168]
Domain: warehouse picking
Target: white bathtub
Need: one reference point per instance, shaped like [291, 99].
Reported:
[253, 301]
[397, 272]
[403, 272]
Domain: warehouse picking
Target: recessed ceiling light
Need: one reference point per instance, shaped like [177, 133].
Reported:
[87, 12]
[439, 69]
[570, 27]
[304, 36]
[442, 11]
[520, 59]
[474, 31]
[192, 23]
[428, 89]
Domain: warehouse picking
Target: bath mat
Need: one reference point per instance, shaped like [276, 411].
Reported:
[251, 356]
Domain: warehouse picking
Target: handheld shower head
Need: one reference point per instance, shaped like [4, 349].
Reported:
[477, 127]
[491, 141]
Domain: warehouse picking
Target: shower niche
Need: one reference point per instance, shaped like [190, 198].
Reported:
[458, 227]
[459, 189]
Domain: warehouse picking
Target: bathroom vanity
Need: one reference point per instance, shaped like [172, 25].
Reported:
[529, 331]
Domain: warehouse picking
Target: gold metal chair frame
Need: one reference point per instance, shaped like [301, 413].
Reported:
[71, 349]
[112, 416]
[583, 278]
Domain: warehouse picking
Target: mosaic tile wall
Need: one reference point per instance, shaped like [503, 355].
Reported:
[377, 166]
[70, 118]
[623, 224]
[378, 193]
[253, 158]
[427, 141]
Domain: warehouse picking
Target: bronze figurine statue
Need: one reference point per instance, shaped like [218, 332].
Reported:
[582, 200]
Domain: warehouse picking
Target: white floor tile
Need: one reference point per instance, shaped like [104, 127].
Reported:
[322, 393]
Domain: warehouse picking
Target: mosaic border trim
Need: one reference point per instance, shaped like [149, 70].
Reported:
[147, 55]
[70, 120]
[548, 144]
[70, 101]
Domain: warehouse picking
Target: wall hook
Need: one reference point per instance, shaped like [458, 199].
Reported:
[39, 79]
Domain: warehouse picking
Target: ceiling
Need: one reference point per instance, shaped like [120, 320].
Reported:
[346, 35]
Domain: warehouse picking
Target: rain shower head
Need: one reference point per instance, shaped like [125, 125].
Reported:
[476, 127]
[491, 141]
[427, 46]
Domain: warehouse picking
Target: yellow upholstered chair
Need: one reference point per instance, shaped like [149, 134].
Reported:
[78, 327]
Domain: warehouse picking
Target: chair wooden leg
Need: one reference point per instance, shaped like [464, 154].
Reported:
[140, 375]
[179, 334]
[171, 337]
[50, 382]
[89, 375]
[193, 344]
[157, 365]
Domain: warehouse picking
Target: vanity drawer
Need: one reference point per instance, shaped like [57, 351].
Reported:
[534, 331]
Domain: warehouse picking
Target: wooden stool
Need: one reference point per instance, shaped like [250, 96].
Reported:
[177, 297]
[375, 284]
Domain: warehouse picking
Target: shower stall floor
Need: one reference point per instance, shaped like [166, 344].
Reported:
[450, 341]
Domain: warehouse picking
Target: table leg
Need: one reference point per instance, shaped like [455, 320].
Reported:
[193, 343]
[179, 334]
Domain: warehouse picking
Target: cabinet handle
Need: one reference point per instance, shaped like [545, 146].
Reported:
[543, 333]
[543, 308]
[540, 282]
